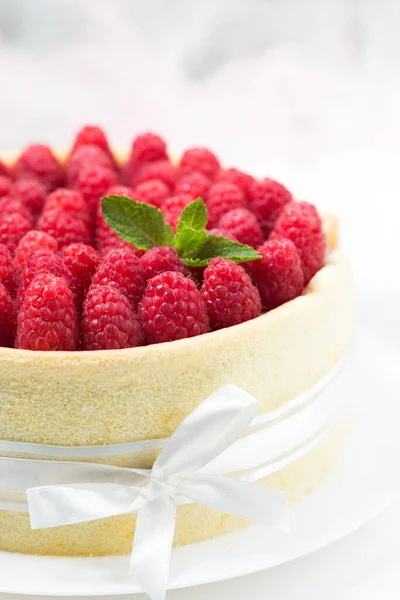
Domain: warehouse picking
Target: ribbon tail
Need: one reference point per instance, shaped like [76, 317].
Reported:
[152, 546]
[240, 498]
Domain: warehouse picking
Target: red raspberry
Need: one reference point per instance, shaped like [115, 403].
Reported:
[120, 190]
[47, 319]
[82, 262]
[153, 191]
[121, 269]
[8, 319]
[38, 162]
[108, 321]
[67, 202]
[146, 148]
[223, 197]
[172, 309]
[202, 160]
[5, 185]
[173, 206]
[266, 200]
[278, 274]
[13, 206]
[222, 233]
[301, 223]
[229, 294]
[42, 261]
[31, 192]
[92, 135]
[243, 225]
[92, 182]
[32, 241]
[86, 156]
[160, 259]
[64, 228]
[4, 170]
[13, 227]
[194, 184]
[239, 178]
[162, 170]
[8, 273]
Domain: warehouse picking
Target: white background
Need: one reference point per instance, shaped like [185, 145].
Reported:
[304, 91]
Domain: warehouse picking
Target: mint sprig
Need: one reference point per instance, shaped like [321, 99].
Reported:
[144, 226]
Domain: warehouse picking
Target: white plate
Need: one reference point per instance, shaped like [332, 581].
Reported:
[358, 490]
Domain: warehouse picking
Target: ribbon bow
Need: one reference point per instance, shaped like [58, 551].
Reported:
[180, 469]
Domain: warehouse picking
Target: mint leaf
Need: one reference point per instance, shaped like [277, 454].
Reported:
[191, 228]
[219, 246]
[193, 216]
[141, 224]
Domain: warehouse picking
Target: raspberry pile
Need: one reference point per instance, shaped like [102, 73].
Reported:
[69, 282]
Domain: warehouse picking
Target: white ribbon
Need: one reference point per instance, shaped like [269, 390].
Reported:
[209, 430]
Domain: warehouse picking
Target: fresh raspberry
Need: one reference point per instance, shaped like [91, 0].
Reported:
[121, 269]
[266, 200]
[8, 274]
[244, 181]
[13, 227]
[108, 321]
[31, 192]
[146, 148]
[120, 190]
[173, 206]
[202, 160]
[47, 319]
[10, 206]
[4, 170]
[301, 223]
[153, 191]
[223, 197]
[243, 225]
[278, 274]
[69, 202]
[195, 184]
[8, 319]
[86, 156]
[229, 294]
[64, 227]
[32, 241]
[172, 309]
[92, 135]
[82, 262]
[92, 182]
[42, 261]
[39, 162]
[160, 259]
[222, 233]
[160, 169]
[5, 185]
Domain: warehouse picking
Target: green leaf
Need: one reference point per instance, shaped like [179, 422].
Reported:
[191, 228]
[193, 216]
[219, 246]
[141, 224]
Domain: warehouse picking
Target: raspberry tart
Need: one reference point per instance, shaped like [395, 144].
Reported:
[131, 288]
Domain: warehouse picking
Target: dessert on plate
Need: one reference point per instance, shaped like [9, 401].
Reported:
[131, 288]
